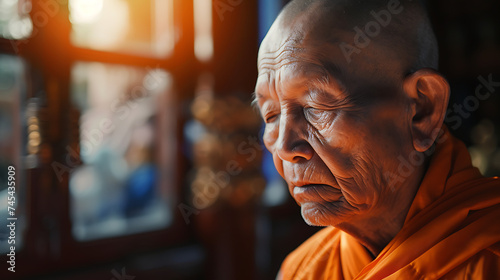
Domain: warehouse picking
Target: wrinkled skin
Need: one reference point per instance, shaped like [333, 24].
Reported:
[335, 129]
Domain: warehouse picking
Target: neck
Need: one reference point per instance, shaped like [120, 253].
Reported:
[378, 229]
[375, 234]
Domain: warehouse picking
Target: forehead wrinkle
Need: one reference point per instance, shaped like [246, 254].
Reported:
[312, 60]
[289, 48]
[286, 57]
[307, 62]
[317, 75]
[310, 77]
[296, 51]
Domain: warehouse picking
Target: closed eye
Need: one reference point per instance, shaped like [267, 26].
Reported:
[315, 115]
[271, 118]
[314, 111]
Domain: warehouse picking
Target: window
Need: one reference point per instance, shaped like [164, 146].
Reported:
[143, 27]
[90, 103]
[116, 191]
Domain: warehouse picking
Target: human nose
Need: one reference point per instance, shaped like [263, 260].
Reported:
[292, 145]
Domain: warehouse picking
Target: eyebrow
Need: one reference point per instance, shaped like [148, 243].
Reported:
[330, 98]
[327, 84]
[332, 70]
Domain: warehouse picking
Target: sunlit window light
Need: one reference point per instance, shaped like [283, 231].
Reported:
[131, 26]
[203, 41]
[15, 22]
[85, 11]
[163, 24]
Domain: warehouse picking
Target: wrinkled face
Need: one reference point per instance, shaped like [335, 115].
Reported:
[335, 134]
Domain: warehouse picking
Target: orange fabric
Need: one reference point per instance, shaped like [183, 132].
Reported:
[452, 231]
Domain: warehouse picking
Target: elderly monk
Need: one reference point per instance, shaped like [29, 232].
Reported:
[354, 113]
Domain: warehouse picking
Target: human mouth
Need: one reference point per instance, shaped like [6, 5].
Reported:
[316, 193]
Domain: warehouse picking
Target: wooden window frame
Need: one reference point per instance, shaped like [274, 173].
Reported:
[49, 245]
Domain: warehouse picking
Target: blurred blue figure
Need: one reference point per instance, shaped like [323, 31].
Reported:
[140, 189]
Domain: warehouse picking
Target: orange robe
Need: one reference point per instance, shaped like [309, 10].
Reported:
[452, 231]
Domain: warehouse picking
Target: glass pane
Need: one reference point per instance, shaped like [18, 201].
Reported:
[15, 22]
[12, 92]
[126, 135]
[134, 26]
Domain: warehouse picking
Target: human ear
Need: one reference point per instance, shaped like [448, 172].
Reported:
[429, 93]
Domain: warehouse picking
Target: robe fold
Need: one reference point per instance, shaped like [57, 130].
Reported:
[452, 231]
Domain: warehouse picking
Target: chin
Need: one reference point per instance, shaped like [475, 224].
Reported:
[315, 214]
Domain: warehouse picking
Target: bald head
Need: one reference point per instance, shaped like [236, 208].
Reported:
[370, 34]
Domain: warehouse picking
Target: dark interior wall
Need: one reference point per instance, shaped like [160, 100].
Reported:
[468, 34]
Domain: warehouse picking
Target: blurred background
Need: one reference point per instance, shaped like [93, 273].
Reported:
[137, 152]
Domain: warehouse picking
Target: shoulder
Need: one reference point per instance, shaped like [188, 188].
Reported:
[313, 253]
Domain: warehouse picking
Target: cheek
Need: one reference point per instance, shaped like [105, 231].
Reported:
[344, 133]
[346, 147]
[271, 133]
[365, 136]
[278, 163]
[336, 144]
[359, 150]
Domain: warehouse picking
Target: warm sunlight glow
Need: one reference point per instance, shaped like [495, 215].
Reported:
[144, 27]
[85, 11]
[203, 41]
